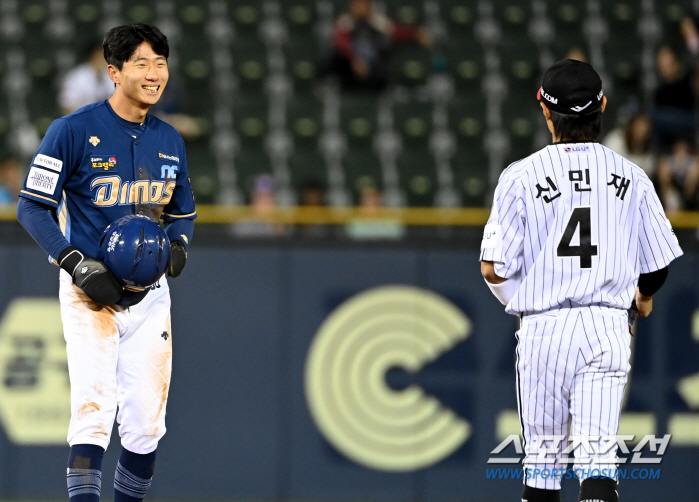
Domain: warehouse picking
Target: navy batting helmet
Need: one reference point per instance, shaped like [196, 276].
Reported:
[136, 250]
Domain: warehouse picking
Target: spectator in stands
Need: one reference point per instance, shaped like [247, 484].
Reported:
[261, 221]
[633, 142]
[87, 83]
[678, 177]
[362, 41]
[313, 200]
[673, 114]
[370, 223]
[576, 53]
[312, 193]
[11, 180]
[688, 29]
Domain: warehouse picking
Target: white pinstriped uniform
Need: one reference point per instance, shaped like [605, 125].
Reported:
[576, 224]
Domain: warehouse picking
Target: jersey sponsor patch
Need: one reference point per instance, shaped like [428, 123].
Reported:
[50, 162]
[104, 162]
[577, 149]
[492, 237]
[165, 156]
[42, 180]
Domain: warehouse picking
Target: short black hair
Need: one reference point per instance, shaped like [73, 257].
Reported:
[586, 127]
[122, 41]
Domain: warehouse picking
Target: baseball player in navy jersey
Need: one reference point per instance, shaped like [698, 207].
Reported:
[575, 235]
[94, 166]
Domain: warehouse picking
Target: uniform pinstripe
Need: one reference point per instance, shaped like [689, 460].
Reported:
[575, 224]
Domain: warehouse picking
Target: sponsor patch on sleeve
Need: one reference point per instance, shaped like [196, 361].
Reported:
[50, 162]
[492, 237]
[42, 180]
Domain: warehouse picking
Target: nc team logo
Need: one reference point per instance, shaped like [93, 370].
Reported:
[168, 172]
[106, 162]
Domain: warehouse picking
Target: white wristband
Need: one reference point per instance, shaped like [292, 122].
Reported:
[505, 290]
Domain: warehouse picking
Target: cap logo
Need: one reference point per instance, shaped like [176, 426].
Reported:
[599, 96]
[548, 97]
[580, 108]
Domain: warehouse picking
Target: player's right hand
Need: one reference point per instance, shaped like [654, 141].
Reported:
[92, 276]
[644, 304]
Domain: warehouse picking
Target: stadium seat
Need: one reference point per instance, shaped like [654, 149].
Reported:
[513, 16]
[520, 118]
[465, 63]
[304, 61]
[459, 15]
[202, 171]
[413, 120]
[470, 166]
[362, 168]
[358, 119]
[300, 16]
[304, 119]
[246, 17]
[410, 64]
[467, 120]
[410, 12]
[250, 63]
[418, 176]
[568, 17]
[250, 116]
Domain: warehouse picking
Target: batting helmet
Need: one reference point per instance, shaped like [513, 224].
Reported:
[136, 250]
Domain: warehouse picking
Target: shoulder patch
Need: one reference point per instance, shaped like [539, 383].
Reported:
[50, 162]
[492, 237]
[42, 180]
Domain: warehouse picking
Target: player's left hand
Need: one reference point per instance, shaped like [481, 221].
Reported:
[644, 304]
[178, 258]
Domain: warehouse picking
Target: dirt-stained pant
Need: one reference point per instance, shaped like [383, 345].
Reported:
[117, 358]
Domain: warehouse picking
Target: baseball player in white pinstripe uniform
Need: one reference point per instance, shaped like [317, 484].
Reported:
[575, 235]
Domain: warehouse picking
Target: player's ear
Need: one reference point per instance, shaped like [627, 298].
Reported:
[113, 73]
[604, 103]
[545, 109]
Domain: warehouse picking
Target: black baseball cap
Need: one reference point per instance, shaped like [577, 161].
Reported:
[571, 87]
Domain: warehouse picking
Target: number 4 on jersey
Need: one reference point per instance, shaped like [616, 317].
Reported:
[585, 250]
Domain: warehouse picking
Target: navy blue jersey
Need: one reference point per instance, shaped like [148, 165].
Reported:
[94, 167]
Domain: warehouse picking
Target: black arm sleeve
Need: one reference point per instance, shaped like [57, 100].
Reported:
[649, 284]
[37, 219]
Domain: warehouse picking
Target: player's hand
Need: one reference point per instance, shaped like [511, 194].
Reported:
[92, 276]
[98, 282]
[644, 304]
[178, 258]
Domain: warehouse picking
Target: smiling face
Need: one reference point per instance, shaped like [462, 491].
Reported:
[142, 78]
